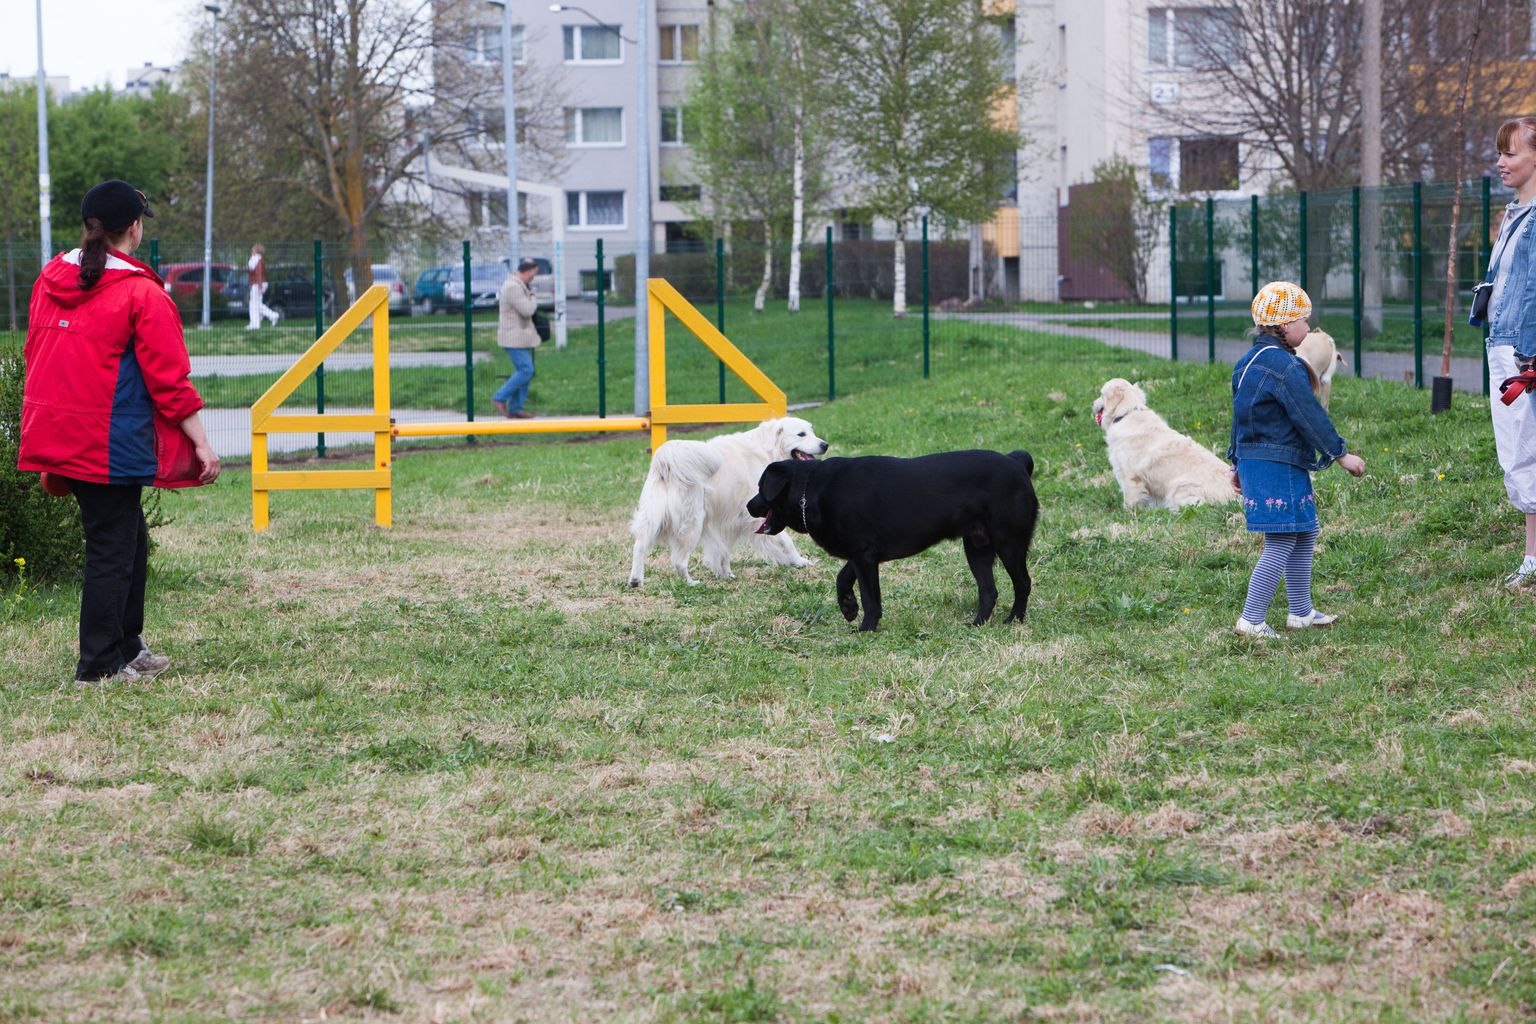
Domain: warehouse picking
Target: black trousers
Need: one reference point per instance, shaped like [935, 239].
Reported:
[116, 557]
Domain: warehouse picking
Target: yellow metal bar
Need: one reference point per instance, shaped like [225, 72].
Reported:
[737, 412]
[260, 506]
[538, 425]
[372, 300]
[735, 360]
[383, 457]
[302, 423]
[656, 347]
[321, 479]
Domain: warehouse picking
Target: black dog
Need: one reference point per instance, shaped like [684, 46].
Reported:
[875, 509]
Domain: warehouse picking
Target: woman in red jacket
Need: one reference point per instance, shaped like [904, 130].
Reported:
[108, 409]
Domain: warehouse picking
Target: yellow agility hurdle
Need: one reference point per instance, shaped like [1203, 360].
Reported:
[662, 298]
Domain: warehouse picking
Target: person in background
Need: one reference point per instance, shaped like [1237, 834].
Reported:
[108, 408]
[1278, 429]
[515, 333]
[1511, 320]
[256, 266]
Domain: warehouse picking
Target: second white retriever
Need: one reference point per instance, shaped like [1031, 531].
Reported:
[1155, 465]
[697, 491]
[1322, 358]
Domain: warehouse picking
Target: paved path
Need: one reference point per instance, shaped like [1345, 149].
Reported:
[229, 430]
[234, 366]
[1466, 372]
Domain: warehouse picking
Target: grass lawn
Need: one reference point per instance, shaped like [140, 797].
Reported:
[871, 349]
[458, 771]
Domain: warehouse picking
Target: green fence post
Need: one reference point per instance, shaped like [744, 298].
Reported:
[319, 330]
[1357, 307]
[925, 298]
[831, 333]
[602, 353]
[1483, 253]
[154, 256]
[1210, 279]
[1418, 284]
[469, 352]
[1301, 201]
[1253, 242]
[1173, 282]
[720, 304]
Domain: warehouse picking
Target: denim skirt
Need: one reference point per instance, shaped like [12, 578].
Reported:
[1277, 497]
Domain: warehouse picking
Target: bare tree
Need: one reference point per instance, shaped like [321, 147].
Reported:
[324, 105]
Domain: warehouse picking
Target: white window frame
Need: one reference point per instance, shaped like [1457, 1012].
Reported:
[1170, 15]
[580, 30]
[484, 35]
[580, 130]
[681, 122]
[677, 43]
[582, 201]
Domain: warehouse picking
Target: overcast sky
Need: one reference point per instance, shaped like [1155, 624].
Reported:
[95, 41]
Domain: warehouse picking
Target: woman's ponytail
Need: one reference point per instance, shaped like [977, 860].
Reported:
[93, 253]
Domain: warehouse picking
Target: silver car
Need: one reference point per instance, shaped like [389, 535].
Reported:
[385, 274]
[485, 280]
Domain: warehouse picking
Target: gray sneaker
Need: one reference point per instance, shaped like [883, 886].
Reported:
[148, 665]
[126, 674]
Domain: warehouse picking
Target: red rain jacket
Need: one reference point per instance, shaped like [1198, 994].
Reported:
[107, 378]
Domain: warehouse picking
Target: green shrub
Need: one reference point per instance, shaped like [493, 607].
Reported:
[43, 530]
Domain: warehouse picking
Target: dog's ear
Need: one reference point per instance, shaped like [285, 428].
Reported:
[774, 481]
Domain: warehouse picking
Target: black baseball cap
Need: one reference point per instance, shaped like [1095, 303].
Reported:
[526, 263]
[116, 204]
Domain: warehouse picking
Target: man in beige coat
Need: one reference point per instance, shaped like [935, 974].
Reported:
[515, 333]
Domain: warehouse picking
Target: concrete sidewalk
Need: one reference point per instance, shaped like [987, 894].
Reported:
[229, 430]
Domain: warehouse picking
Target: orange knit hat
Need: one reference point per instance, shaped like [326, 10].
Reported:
[1280, 302]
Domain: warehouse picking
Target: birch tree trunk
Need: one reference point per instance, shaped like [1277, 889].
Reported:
[899, 299]
[762, 288]
[797, 227]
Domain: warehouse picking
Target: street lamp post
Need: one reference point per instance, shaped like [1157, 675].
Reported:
[642, 190]
[509, 126]
[44, 182]
[213, 75]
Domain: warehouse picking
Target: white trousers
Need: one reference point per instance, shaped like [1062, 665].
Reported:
[258, 308]
[1514, 431]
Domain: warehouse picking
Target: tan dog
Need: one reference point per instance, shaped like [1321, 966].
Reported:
[1323, 360]
[1155, 465]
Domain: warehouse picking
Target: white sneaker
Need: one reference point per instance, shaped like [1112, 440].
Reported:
[1520, 579]
[1257, 630]
[1316, 619]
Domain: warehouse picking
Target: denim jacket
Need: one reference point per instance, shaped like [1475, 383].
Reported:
[1275, 416]
[1512, 320]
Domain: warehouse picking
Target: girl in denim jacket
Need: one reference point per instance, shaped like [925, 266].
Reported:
[1511, 321]
[1278, 427]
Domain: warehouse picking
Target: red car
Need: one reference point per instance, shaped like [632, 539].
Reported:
[187, 278]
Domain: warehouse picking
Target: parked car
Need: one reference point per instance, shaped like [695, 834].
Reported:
[184, 284]
[428, 293]
[383, 273]
[485, 281]
[290, 291]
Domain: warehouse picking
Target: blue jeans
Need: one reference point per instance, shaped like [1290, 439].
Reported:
[515, 391]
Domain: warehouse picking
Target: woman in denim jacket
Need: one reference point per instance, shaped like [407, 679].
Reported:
[1511, 320]
[1278, 427]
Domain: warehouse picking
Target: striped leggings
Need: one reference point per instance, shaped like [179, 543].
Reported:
[1287, 555]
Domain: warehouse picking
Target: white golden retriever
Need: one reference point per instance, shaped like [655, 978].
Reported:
[1322, 358]
[698, 490]
[1155, 465]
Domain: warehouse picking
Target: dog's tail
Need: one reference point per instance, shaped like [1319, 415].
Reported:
[1027, 459]
[687, 463]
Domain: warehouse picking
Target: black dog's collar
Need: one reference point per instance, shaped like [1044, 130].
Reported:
[1123, 415]
[804, 488]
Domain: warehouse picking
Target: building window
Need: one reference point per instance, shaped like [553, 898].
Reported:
[1160, 163]
[676, 126]
[681, 193]
[483, 45]
[594, 209]
[679, 44]
[1192, 37]
[1207, 165]
[487, 209]
[593, 44]
[594, 126]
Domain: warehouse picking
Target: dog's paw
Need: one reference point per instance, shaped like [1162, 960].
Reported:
[849, 606]
[635, 581]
